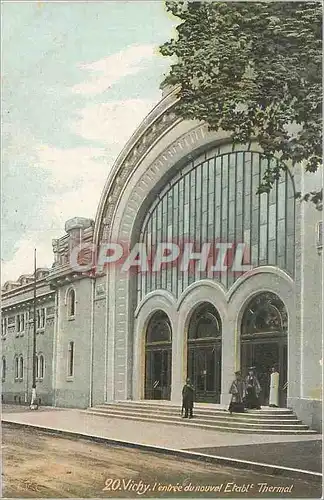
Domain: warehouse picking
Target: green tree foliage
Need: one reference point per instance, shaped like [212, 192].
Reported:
[254, 69]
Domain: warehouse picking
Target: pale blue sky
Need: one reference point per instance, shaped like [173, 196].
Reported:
[77, 78]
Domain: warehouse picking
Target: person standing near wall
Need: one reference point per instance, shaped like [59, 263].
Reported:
[188, 399]
[237, 390]
[274, 388]
[253, 390]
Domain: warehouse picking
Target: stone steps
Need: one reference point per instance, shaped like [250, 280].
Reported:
[212, 417]
[202, 414]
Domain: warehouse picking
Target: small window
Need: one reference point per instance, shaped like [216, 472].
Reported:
[71, 303]
[16, 362]
[40, 367]
[11, 320]
[22, 322]
[21, 368]
[71, 359]
[4, 369]
[38, 318]
[41, 318]
[4, 327]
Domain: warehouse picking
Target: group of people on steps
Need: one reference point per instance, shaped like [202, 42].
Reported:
[244, 392]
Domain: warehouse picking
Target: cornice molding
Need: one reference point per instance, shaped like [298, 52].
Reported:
[153, 126]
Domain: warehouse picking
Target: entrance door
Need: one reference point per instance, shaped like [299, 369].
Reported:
[204, 353]
[264, 342]
[204, 370]
[158, 354]
[158, 373]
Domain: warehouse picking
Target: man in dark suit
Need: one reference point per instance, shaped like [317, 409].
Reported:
[188, 399]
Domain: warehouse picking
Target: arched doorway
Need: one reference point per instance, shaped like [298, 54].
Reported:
[204, 353]
[158, 354]
[264, 342]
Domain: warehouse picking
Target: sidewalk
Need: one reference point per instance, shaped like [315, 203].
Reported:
[297, 452]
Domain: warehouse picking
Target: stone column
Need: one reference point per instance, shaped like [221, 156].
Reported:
[230, 357]
[178, 361]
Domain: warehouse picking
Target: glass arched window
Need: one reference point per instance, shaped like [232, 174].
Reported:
[204, 323]
[21, 367]
[16, 366]
[265, 313]
[213, 198]
[71, 303]
[4, 369]
[159, 328]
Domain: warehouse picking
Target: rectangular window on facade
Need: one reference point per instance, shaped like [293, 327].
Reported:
[16, 367]
[18, 323]
[71, 359]
[43, 317]
[50, 311]
[40, 318]
[11, 324]
[22, 322]
[3, 327]
[21, 368]
[40, 366]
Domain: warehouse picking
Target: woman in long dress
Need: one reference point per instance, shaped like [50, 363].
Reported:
[274, 388]
[237, 390]
[253, 390]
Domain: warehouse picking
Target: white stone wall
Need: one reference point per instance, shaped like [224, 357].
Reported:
[308, 354]
[73, 391]
[15, 343]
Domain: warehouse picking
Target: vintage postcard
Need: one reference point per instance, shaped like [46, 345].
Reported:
[162, 265]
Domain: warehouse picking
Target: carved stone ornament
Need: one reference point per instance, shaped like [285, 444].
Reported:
[129, 165]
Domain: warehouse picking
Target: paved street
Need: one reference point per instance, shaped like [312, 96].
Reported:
[36, 465]
[300, 452]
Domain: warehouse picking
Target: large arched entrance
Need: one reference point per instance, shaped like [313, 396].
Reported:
[204, 353]
[264, 342]
[158, 355]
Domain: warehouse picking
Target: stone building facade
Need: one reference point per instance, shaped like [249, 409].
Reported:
[17, 339]
[120, 336]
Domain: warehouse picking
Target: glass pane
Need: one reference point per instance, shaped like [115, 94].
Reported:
[263, 242]
[159, 328]
[210, 369]
[264, 313]
[239, 167]
[204, 323]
